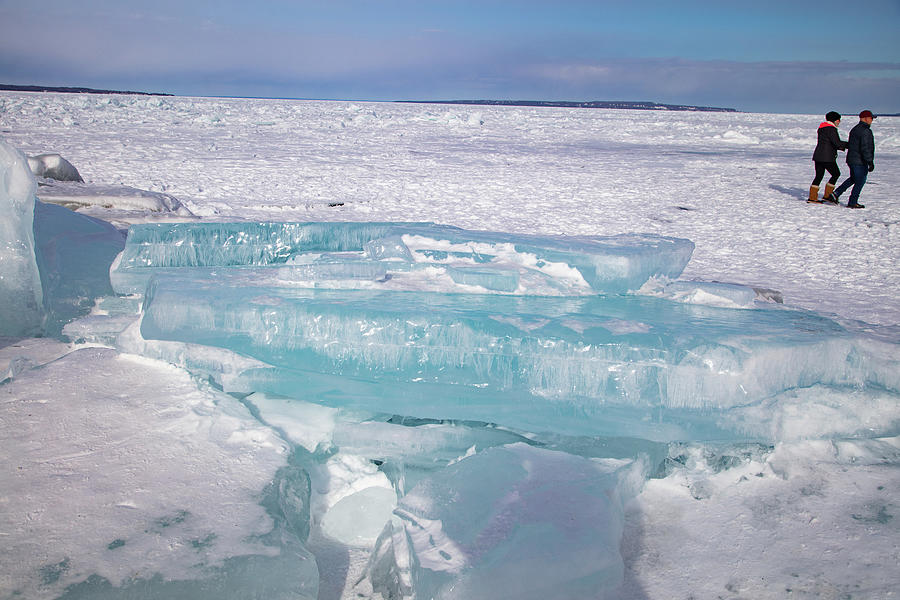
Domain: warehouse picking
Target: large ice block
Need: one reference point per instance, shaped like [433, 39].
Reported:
[164, 247]
[21, 296]
[593, 365]
[509, 522]
[404, 256]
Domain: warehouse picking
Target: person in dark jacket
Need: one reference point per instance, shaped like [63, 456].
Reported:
[825, 157]
[860, 158]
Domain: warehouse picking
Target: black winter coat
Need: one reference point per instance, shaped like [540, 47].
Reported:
[829, 143]
[861, 145]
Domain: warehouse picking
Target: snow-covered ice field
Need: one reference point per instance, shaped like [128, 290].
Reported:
[122, 465]
[728, 182]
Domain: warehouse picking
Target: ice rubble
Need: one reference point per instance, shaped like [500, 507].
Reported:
[532, 332]
[116, 198]
[59, 182]
[458, 330]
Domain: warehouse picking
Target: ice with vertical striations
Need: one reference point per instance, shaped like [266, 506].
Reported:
[21, 295]
[588, 365]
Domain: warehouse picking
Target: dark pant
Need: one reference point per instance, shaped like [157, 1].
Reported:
[832, 169]
[858, 175]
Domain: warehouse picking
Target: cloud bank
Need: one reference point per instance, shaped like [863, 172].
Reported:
[254, 54]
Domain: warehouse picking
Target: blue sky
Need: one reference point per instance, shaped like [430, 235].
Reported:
[765, 56]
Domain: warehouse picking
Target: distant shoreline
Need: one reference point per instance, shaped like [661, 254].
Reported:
[531, 103]
[615, 104]
[72, 90]
[591, 104]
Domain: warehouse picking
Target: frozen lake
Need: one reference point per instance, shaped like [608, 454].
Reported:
[147, 456]
[727, 181]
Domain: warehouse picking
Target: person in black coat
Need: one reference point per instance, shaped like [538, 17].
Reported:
[825, 157]
[860, 158]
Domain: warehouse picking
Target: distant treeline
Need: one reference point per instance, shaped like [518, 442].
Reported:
[592, 104]
[70, 90]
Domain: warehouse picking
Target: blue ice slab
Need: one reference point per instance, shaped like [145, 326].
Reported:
[493, 261]
[73, 253]
[21, 310]
[588, 365]
[160, 248]
[509, 522]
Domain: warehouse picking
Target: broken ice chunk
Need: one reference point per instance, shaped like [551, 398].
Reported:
[491, 525]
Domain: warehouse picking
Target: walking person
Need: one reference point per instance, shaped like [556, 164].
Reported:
[860, 158]
[825, 158]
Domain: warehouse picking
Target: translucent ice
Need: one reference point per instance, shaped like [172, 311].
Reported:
[594, 365]
[74, 253]
[53, 262]
[406, 448]
[21, 297]
[508, 522]
[359, 518]
[378, 252]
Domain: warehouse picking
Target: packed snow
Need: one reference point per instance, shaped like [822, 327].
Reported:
[376, 350]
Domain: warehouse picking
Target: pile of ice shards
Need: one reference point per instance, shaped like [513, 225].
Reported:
[532, 332]
[543, 344]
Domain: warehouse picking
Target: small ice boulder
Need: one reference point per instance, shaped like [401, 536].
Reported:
[53, 166]
[358, 519]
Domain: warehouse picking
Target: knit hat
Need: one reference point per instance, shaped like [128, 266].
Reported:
[867, 114]
[832, 116]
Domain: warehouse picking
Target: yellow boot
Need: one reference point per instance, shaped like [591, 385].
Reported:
[814, 194]
[827, 196]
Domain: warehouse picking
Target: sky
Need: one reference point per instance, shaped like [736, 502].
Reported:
[766, 56]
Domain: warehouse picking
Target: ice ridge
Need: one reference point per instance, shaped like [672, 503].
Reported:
[596, 365]
[533, 332]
